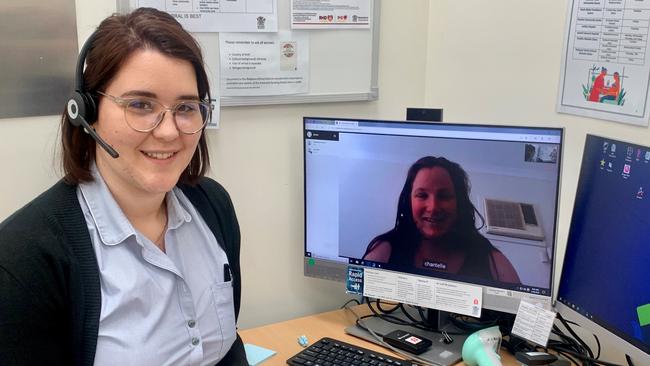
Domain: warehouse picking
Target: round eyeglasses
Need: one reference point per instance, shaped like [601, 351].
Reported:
[145, 114]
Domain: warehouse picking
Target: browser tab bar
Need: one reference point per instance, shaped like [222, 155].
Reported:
[346, 123]
[459, 131]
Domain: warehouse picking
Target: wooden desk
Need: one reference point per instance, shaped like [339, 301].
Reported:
[282, 337]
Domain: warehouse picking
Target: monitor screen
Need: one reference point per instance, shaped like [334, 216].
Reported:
[605, 273]
[479, 205]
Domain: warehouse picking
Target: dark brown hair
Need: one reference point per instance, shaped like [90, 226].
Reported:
[116, 38]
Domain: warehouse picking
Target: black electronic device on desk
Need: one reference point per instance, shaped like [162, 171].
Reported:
[328, 351]
[441, 349]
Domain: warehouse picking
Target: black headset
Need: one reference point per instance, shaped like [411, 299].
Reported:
[82, 106]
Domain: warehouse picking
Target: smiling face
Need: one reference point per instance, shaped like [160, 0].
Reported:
[149, 162]
[433, 202]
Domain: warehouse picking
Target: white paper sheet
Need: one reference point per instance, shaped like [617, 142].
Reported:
[606, 66]
[533, 323]
[423, 291]
[264, 64]
[330, 14]
[219, 15]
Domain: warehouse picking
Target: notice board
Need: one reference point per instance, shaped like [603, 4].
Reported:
[343, 62]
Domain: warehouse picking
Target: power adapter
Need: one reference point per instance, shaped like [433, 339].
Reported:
[407, 341]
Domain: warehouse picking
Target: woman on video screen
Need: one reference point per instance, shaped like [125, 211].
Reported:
[435, 227]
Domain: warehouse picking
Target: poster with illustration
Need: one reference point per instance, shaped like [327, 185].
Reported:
[605, 68]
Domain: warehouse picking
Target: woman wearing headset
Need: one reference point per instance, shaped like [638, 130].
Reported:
[435, 227]
[133, 258]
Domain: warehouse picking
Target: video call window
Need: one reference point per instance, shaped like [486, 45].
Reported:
[356, 172]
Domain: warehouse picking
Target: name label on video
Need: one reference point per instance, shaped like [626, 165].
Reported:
[435, 265]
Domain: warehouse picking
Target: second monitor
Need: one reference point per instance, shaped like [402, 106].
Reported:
[462, 202]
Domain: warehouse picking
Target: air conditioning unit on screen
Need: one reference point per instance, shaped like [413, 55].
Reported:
[513, 219]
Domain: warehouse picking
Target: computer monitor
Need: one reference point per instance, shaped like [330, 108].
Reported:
[605, 283]
[355, 171]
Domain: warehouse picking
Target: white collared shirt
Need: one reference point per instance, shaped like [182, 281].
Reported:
[173, 308]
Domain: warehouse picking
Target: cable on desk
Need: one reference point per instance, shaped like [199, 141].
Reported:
[395, 320]
[349, 301]
[387, 317]
[578, 339]
[570, 346]
[466, 324]
[408, 357]
[419, 324]
[411, 318]
[385, 311]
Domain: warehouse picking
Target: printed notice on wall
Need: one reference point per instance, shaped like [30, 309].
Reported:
[264, 64]
[606, 64]
[215, 117]
[219, 15]
[330, 14]
[423, 291]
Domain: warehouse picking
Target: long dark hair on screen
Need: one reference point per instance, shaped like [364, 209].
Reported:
[404, 238]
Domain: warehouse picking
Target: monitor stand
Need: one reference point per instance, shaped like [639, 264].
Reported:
[439, 352]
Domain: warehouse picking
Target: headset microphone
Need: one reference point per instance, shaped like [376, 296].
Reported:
[77, 120]
[81, 107]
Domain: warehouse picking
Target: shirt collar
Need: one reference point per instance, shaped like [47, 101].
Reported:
[112, 225]
[176, 212]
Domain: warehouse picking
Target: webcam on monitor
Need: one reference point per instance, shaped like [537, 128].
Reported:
[424, 114]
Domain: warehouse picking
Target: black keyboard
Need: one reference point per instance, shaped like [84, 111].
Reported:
[332, 352]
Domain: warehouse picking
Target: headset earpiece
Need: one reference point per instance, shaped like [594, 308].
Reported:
[81, 105]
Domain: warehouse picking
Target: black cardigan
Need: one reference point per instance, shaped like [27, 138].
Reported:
[50, 297]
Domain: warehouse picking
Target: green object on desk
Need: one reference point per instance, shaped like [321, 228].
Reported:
[256, 354]
[643, 312]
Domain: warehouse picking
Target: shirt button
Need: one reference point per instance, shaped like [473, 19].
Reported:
[195, 341]
[191, 323]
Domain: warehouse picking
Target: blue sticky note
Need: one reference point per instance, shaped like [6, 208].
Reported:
[256, 354]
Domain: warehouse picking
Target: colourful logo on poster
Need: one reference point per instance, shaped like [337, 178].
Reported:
[603, 87]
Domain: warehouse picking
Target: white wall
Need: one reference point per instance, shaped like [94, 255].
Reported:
[257, 155]
[499, 62]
